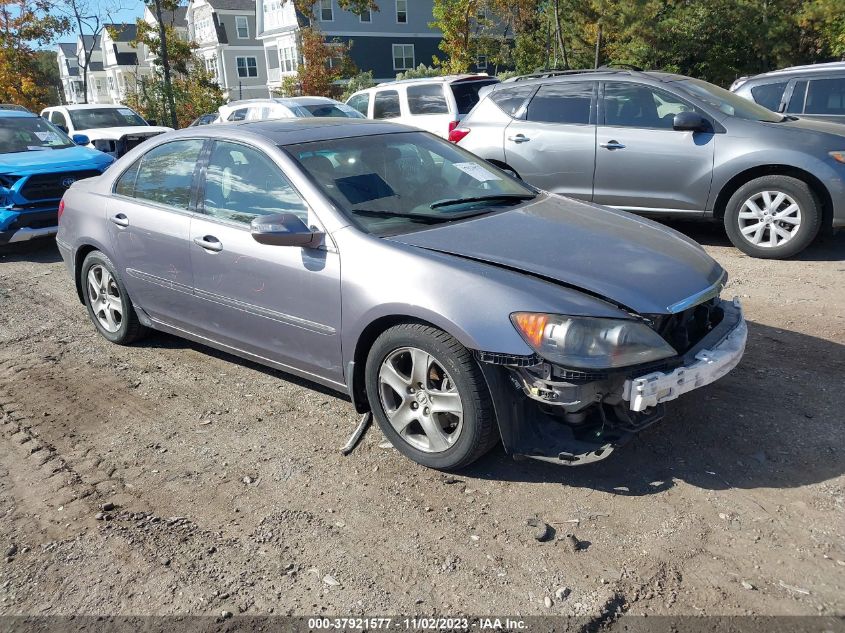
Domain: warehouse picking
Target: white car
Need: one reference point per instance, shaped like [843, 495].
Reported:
[113, 129]
[285, 108]
[433, 104]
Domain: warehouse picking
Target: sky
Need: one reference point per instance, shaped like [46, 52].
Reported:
[133, 10]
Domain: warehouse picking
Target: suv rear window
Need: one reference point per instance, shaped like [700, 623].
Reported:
[769, 95]
[510, 100]
[427, 99]
[826, 96]
[386, 105]
[466, 93]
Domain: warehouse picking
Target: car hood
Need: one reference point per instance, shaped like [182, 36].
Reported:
[630, 261]
[114, 133]
[53, 159]
[813, 125]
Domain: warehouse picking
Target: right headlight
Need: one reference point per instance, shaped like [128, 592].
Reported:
[590, 343]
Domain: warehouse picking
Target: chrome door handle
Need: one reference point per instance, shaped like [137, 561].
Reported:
[209, 243]
[120, 220]
[519, 138]
[612, 145]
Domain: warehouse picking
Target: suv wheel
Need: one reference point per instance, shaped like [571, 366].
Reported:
[429, 397]
[773, 217]
[108, 304]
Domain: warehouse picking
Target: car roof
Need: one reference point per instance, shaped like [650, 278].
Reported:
[301, 130]
[809, 69]
[89, 106]
[439, 79]
[17, 114]
[590, 74]
[310, 100]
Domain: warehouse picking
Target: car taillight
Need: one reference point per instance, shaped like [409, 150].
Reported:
[458, 134]
[61, 208]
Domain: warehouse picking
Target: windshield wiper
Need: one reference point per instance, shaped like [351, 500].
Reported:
[502, 197]
[420, 217]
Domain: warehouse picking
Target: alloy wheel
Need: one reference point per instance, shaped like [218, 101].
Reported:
[420, 399]
[769, 219]
[104, 298]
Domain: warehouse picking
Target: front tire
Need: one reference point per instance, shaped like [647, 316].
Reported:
[429, 397]
[773, 217]
[109, 306]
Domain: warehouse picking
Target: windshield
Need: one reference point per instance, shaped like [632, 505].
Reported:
[91, 118]
[30, 134]
[333, 109]
[728, 102]
[396, 183]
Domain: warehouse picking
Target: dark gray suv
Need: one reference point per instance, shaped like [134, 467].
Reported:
[814, 92]
[667, 145]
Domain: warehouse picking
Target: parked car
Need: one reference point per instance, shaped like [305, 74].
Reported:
[671, 146]
[434, 104]
[812, 92]
[206, 119]
[284, 108]
[459, 304]
[113, 129]
[38, 162]
[13, 106]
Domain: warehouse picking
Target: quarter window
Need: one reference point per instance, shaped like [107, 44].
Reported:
[403, 56]
[164, 174]
[635, 105]
[427, 99]
[386, 105]
[562, 103]
[402, 11]
[242, 27]
[326, 11]
[769, 95]
[826, 96]
[511, 100]
[360, 102]
[242, 184]
[796, 101]
[247, 66]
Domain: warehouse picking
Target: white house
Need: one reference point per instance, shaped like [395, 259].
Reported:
[124, 68]
[224, 31]
[69, 72]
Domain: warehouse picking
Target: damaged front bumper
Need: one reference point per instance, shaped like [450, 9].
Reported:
[575, 418]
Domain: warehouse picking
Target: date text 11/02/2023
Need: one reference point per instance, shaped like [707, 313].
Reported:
[417, 624]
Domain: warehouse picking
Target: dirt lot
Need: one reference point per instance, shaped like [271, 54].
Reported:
[230, 494]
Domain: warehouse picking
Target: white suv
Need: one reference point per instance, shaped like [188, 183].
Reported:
[113, 129]
[284, 108]
[434, 104]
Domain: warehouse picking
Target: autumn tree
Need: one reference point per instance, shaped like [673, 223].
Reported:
[22, 24]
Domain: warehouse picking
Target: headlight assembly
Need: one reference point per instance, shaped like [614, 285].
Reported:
[590, 343]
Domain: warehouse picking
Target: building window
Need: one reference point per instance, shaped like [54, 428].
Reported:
[287, 59]
[204, 30]
[402, 11]
[273, 16]
[335, 59]
[247, 66]
[242, 27]
[211, 66]
[481, 62]
[366, 16]
[326, 11]
[403, 56]
[111, 82]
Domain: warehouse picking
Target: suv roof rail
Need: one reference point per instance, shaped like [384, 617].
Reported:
[547, 74]
[612, 66]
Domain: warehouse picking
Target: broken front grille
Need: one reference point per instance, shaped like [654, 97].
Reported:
[684, 329]
[53, 186]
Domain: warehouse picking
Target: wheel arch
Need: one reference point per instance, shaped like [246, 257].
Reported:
[816, 186]
[79, 257]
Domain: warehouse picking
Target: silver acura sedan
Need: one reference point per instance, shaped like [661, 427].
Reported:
[460, 305]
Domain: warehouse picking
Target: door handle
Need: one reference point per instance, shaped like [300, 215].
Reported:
[209, 243]
[519, 138]
[612, 145]
[120, 220]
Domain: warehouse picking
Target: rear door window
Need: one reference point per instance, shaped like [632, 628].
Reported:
[466, 94]
[166, 173]
[769, 95]
[569, 103]
[796, 101]
[826, 96]
[427, 99]
[386, 105]
[360, 102]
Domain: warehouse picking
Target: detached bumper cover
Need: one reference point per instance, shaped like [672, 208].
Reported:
[706, 366]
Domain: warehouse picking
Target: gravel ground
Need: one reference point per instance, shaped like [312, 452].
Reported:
[167, 478]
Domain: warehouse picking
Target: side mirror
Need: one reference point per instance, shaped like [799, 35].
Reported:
[690, 122]
[283, 229]
[80, 139]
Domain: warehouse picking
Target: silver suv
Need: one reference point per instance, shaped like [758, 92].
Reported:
[667, 145]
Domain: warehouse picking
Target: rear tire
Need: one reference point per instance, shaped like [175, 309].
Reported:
[773, 217]
[429, 397]
[107, 301]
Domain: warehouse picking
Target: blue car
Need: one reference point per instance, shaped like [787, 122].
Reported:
[38, 162]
